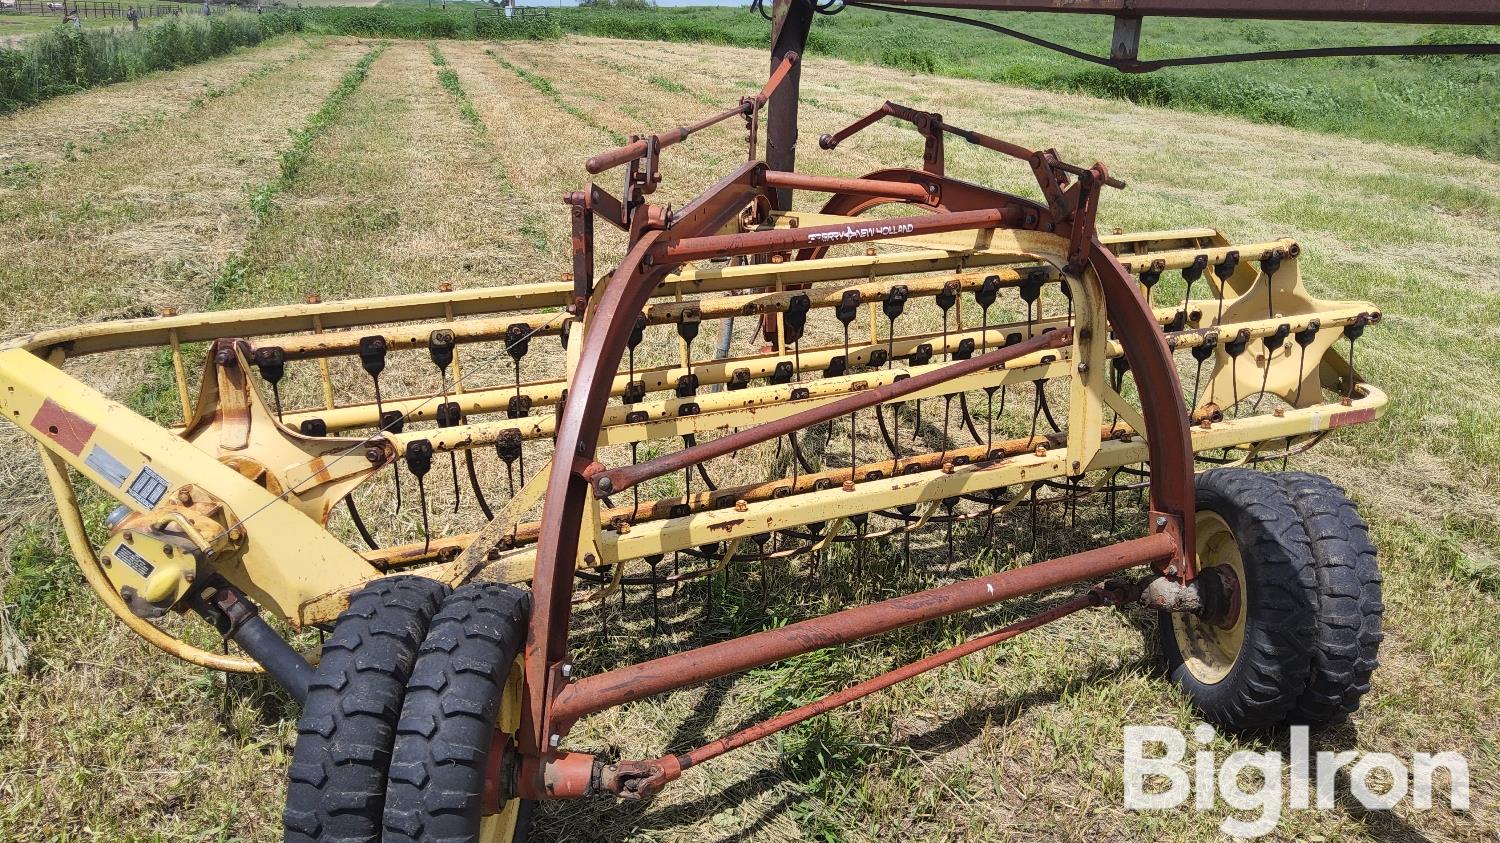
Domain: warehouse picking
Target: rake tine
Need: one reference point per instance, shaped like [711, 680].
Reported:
[1353, 332]
[1032, 506]
[372, 359]
[426, 528]
[801, 458]
[885, 433]
[688, 441]
[394, 422]
[448, 415]
[846, 312]
[484, 505]
[359, 523]
[419, 462]
[963, 410]
[440, 344]
[453, 463]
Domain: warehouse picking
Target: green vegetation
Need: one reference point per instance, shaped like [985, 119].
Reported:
[39, 577]
[64, 60]
[546, 88]
[450, 82]
[457, 21]
[296, 155]
[1438, 102]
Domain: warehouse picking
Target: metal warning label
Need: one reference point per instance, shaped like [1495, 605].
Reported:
[148, 487]
[134, 561]
[104, 464]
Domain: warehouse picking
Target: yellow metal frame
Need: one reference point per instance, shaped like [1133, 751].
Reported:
[279, 486]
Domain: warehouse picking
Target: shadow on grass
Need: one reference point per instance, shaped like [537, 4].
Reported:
[613, 820]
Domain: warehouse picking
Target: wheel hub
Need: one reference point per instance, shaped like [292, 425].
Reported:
[1210, 641]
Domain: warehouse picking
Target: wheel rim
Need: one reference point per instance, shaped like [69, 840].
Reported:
[1209, 650]
[501, 827]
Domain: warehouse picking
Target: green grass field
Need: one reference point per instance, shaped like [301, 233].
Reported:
[1442, 103]
[443, 162]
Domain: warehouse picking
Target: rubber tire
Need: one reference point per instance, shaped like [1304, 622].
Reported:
[1347, 643]
[1280, 598]
[448, 720]
[336, 783]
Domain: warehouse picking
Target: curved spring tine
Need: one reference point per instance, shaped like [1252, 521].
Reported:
[688, 441]
[796, 450]
[885, 432]
[963, 409]
[484, 505]
[1047, 410]
[359, 523]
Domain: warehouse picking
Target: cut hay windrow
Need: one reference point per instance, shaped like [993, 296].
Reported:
[295, 156]
[454, 86]
[540, 83]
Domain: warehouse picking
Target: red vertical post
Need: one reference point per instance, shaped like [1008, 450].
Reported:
[790, 22]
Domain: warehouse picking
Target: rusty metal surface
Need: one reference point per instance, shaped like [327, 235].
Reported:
[653, 144]
[685, 249]
[642, 779]
[596, 693]
[1167, 435]
[927, 194]
[1071, 198]
[791, 21]
[605, 335]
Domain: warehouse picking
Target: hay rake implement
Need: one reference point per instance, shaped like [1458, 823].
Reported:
[928, 355]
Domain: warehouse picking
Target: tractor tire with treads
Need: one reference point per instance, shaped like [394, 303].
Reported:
[1347, 643]
[336, 783]
[1249, 671]
[462, 702]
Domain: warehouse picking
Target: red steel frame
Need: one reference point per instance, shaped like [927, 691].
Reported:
[553, 703]
[661, 241]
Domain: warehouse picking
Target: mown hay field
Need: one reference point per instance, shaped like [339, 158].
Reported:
[126, 200]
